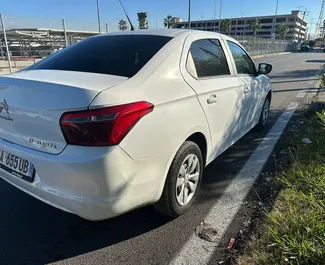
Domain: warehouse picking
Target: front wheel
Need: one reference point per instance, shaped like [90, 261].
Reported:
[183, 181]
[264, 115]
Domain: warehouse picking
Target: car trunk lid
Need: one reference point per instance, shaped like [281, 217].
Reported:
[32, 103]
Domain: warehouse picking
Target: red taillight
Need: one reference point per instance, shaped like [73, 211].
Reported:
[102, 127]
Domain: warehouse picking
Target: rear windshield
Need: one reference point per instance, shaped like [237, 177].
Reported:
[122, 55]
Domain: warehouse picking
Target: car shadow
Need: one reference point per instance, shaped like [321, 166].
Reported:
[297, 74]
[315, 61]
[310, 51]
[294, 81]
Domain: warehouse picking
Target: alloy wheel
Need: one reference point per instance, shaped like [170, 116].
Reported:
[187, 179]
[266, 110]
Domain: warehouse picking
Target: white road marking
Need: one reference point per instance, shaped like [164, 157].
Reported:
[310, 89]
[301, 94]
[225, 209]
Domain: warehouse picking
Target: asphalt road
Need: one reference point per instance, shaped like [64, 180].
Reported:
[35, 233]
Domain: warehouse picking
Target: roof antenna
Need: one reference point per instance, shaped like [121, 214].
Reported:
[132, 28]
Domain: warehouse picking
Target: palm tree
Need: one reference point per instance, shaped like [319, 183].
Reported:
[122, 25]
[225, 25]
[282, 30]
[168, 21]
[143, 20]
[255, 25]
[143, 24]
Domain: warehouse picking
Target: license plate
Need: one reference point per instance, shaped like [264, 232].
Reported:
[17, 166]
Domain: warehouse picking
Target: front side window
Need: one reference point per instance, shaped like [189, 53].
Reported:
[243, 62]
[122, 55]
[208, 58]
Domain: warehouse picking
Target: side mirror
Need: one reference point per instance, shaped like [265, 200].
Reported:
[264, 68]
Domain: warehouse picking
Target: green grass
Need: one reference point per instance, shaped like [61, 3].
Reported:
[321, 79]
[294, 231]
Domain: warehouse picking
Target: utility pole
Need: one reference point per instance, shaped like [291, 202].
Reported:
[98, 16]
[189, 14]
[305, 12]
[274, 21]
[294, 30]
[310, 27]
[320, 20]
[214, 17]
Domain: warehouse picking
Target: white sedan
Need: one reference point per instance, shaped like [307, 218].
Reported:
[123, 120]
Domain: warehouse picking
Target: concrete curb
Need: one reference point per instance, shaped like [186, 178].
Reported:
[271, 54]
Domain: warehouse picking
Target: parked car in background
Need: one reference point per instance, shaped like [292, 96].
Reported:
[131, 122]
[304, 48]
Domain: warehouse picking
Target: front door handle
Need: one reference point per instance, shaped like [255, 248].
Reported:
[212, 99]
[246, 90]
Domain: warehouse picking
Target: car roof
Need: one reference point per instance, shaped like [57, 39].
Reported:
[158, 32]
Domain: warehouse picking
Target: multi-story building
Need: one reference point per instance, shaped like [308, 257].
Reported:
[241, 26]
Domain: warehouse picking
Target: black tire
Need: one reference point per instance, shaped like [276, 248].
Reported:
[168, 203]
[262, 122]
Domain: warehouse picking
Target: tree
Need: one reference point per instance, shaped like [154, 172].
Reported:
[168, 21]
[255, 25]
[143, 22]
[282, 30]
[226, 25]
[122, 25]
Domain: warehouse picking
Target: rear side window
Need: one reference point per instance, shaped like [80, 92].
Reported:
[243, 62]
[208, 58]
[122, 55]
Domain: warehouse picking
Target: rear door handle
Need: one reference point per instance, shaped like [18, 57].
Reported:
[212, 99]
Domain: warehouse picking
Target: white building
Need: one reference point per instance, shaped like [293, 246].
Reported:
[240, 26]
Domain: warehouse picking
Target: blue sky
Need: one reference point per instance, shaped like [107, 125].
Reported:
[111, 12]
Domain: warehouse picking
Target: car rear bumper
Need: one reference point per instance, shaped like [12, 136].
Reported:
[95, 183]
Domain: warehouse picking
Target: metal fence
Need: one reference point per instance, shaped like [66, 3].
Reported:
[29, 39]
[260, 46]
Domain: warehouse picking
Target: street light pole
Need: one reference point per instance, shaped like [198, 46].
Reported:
[214, 21]
[98, 16]
[6, 42]
[220, 15]
[275, 16]
[243, 28]
[189, 14]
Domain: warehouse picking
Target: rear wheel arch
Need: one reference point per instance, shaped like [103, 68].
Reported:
[197, 137]
[180, 187]
[200, 139]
